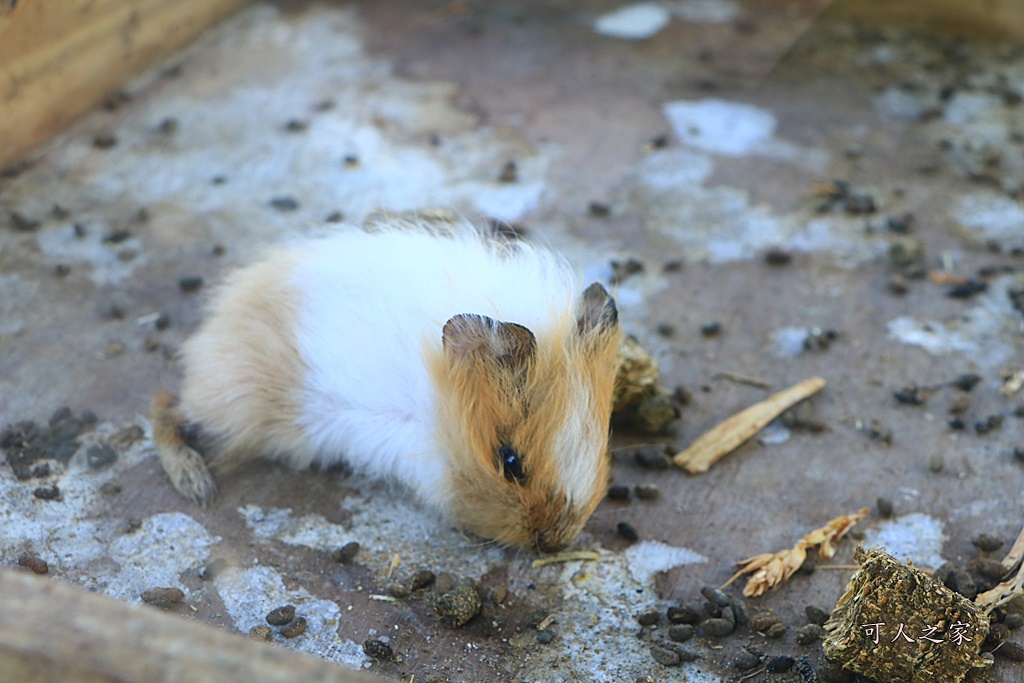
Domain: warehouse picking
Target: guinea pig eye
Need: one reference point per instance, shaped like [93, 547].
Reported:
[511, 463]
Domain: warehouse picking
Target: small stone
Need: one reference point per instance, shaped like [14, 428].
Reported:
[47, 493]
[398, 590]
[779, 664]
[966, 382]
[346, 553]
[809, 633]
[99, 456]
[683, 615]
[618, 492]
[681, 633]
[281, 615]
[377, 649]
[898, 284]
[647, 491]
[162, 597]
[295, 629]
[599, 209]
[718, 627]
[665, 656]
[628, 532]
[936, 463]
[776, 256]
[33, 562]
[715, 595]
[711, 329]
[190, 284]
[260, 633]
[424, 578]
[649, 617]
[546, 637]
[457, 606]
[816, 615]
[986, 543]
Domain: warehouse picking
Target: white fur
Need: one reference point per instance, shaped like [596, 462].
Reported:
[372, 306]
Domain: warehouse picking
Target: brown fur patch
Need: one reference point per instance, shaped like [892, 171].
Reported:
[243, 369]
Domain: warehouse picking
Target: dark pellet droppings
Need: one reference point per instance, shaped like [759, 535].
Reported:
[546, 637]
[711, 329]
[284, 203]
[778, 257]
[1014, 621]
[649, 617]
[47, 493]
[809, 633]
[966, 382]
[816, 615]
[162, 597]
[986, 543]
[909, 395]
[445, 582]
[22, 223]
[618, 492]
[776, 630]
[715, 595]
[281, 615]
[104, 141]
[457, 606]
[377, 649]
[295, 628]
[647, 491]
[100, 456]
[936, 463]
[599, 209]
[424, 578]
[745, 660]
[509, 172]
[683, 615]
[665, 656]
[884, 506]
[830, 672]
[988, 424]
[967, 289]
[190, 284]
[651, 460]
[956, 424]
[33, 562]
[1011, 650]
[718, 627]
[628, 532]
[346, 553]
[397, 590]
[681, 633]
[779, 664]
[296, 125]
[763, 621]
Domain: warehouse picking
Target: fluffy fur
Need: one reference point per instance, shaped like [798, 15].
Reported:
[417, 356]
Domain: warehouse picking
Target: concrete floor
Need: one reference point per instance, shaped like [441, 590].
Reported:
[706, 141]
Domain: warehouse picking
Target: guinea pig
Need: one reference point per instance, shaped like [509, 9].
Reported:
[474, 371]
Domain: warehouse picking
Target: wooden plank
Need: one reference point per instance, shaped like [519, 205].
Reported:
[50, 631]
[58, 59]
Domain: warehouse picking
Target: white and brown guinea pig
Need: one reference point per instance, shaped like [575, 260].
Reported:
[476, 372]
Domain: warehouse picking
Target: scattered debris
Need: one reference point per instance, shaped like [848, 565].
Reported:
[769, 570]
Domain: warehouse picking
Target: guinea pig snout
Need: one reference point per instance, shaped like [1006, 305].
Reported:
[549, 541]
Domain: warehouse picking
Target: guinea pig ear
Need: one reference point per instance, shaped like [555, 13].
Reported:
[467, 335]
[597, 312]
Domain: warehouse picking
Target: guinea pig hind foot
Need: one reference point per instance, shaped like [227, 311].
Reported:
[185, 467]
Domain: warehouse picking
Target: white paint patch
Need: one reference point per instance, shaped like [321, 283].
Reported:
[789, 342]
[249, 594]
[633, 22]
[705, 11]
[993, 217]
[157, 553]
[647, 558]
[916, 536]
[720, 126]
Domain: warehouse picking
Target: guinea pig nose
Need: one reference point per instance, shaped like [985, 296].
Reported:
[546, 544]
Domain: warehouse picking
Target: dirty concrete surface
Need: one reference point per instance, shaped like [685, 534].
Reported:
[700, 139]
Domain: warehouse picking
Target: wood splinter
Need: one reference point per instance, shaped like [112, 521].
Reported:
[725, 437]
